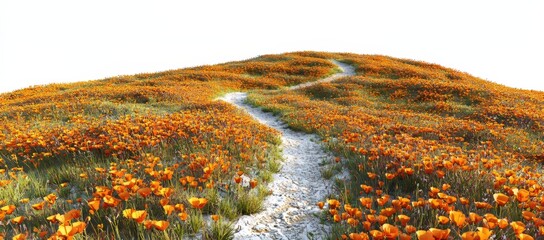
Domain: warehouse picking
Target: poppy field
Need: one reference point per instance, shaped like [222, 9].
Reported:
[149, 156]
[431, 152]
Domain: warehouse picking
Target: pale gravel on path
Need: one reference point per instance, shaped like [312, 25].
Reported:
[289, 213]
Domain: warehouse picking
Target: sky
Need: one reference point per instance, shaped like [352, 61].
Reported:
[64, 41]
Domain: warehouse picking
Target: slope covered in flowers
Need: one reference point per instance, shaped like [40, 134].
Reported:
[140, 156]
[432, 153]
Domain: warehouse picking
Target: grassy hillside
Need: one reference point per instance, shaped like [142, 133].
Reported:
[427, 148]
[132, 156]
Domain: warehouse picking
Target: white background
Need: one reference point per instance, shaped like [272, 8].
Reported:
[60, 41]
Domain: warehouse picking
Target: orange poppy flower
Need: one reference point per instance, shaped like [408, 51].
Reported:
[443, 220]
[474, 217]
[139, 216]
[94, 205]
[458, 218]
[366, 202]
[366, 188]
[148, 224]
[382, 219]
[127, 213]
[382, 200]
[424, 235]
[66, 230]
[20, 236]
[333, 203]
[440, 233]
[160, 225]
[215, 218]
[388, 212]
[352, 221]
[51, 198]
[376, 234]
[470, 235]
[522, 195]
[484, 233]
[366, 225]
[144, 192]
[482, 205]
[403, 219]
[404, 236]
[337, 218]
[183, 216]
[18, 220]
[503, 223]
[523, 236]
[237, 179]
[165, 192]
[110, 201]
[527, 215]
[168, 209]
[52, 219]
[500, 199]
[198, 203]
[390, 176]
[72, 214]
[253, 183]
[390, 231]
[180, 207]
[38, 206]
[79, 227]
[410, 229]
[8, 209]
[320, 205]
[518, 227]
[358, 236]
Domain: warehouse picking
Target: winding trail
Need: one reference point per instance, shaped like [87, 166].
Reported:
[289, 212]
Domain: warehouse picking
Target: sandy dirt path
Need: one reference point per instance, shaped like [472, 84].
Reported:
[289, 213]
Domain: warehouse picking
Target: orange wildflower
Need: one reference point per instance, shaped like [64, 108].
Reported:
[94, 205]
[484, 233]
[424, 235]
[8, 209]
[522, 195]
[443, 220]
[144, 192]
[523, 236]
[320, 205]
[20, 236]
[168, 209]
[18, 220]
[518, 227]
[51, 198]
[500, 199]
[183, 216]
[253, 183]
[38, 206]
[390, 231]
[198, 203]
[470, 235]
[403, 219]
[333, 203]
[458, 218]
